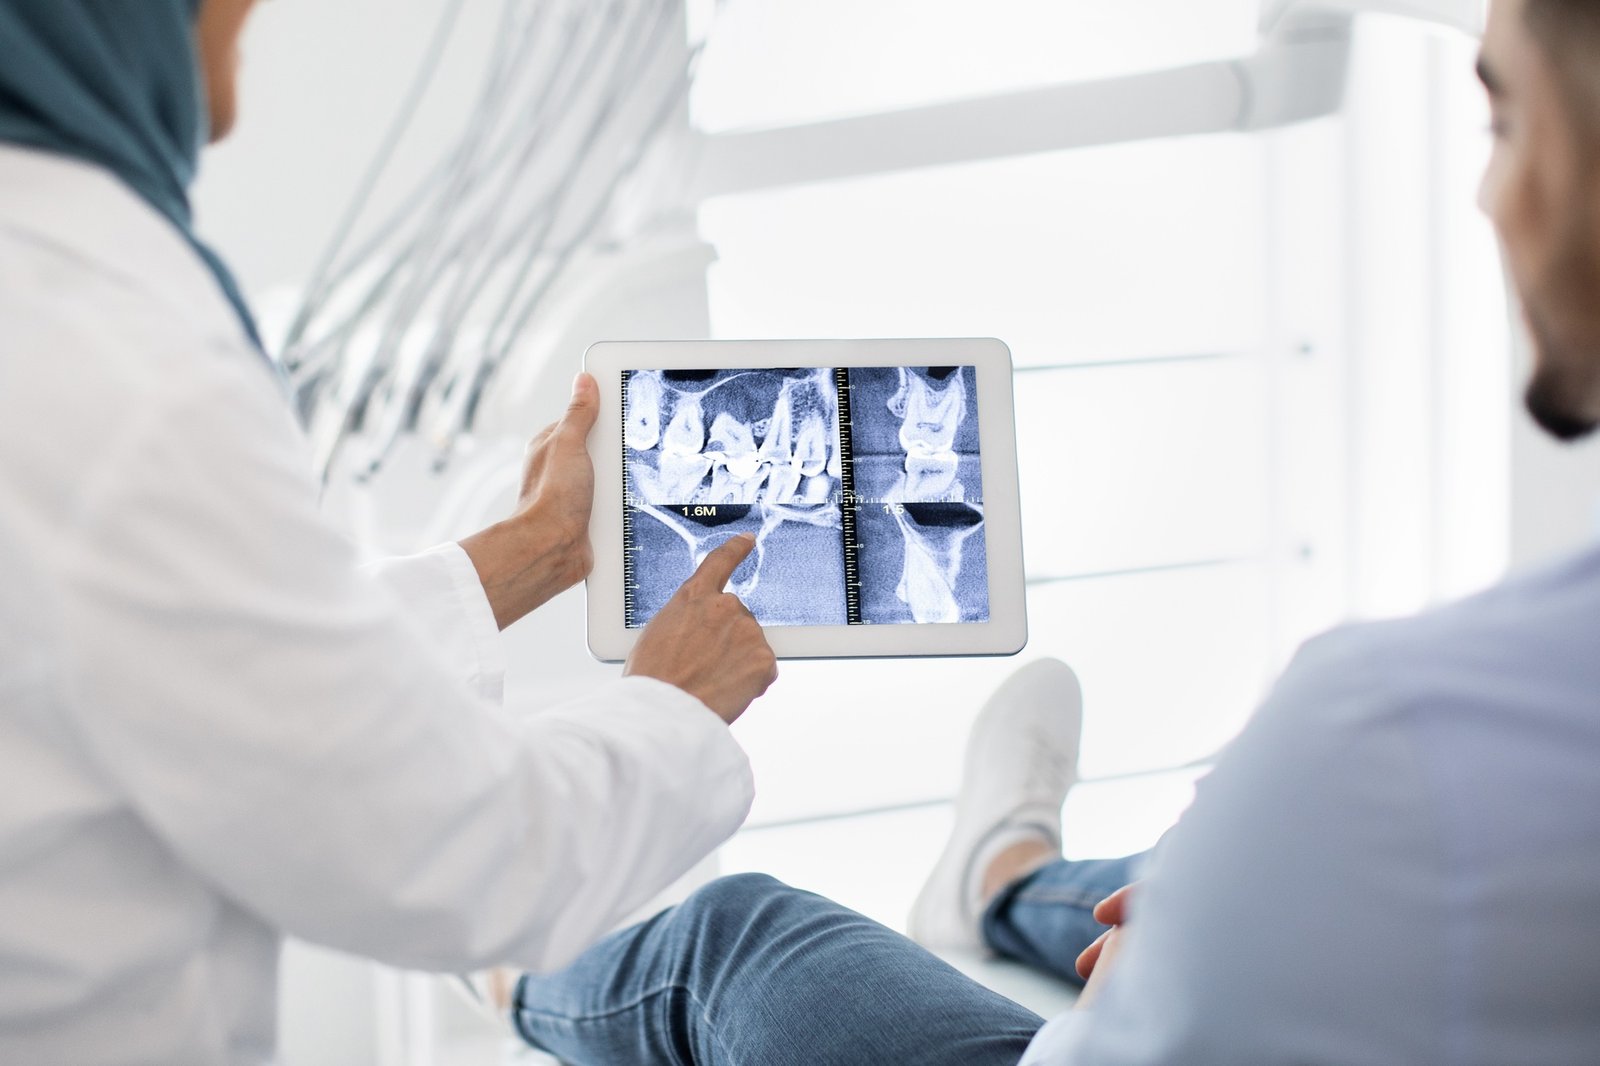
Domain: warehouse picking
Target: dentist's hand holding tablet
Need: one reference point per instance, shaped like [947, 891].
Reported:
[705, 641]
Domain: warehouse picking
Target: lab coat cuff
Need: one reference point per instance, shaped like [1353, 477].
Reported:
[444, 596]
[707, 732]
[483, 631]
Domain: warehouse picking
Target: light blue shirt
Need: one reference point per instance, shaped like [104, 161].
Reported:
[1398, 862]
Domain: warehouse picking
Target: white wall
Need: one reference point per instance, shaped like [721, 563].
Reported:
[1555, 496]
[1555, 488]
[321, 83]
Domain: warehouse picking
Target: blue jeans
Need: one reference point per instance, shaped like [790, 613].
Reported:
[751, 972]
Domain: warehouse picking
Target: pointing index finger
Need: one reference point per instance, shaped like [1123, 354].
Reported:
[718, 568]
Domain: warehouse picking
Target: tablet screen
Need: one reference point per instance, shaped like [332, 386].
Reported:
[862, 485]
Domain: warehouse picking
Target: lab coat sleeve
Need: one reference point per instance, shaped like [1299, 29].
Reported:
[277, 718]
[1292, 914]
[442, 593]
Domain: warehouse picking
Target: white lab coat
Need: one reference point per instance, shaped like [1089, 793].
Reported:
[216, 730]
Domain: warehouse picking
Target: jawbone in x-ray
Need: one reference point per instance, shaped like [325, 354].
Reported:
[863, 487]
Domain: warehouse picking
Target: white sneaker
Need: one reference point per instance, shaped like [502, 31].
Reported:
[1022, 760]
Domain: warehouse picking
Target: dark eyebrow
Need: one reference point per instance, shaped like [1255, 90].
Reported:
[1486, 74]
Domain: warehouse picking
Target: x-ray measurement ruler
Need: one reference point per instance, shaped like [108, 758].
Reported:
[847, 502]
[628, 583]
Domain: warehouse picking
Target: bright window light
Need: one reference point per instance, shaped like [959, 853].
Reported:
[1139, 250]
[774, 64]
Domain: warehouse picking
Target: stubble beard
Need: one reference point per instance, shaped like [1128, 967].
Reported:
[1563, 317]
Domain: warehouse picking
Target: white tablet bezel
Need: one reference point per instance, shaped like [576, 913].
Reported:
[1006, 632]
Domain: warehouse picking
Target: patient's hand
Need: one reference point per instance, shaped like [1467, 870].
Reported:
[543, 549]
[1097, 959]
[706, 642]
[1106, 950]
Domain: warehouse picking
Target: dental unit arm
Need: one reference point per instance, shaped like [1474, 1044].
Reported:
[381, 369]
[1464, 15]
[1296, 75]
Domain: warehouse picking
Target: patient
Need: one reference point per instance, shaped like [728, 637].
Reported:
[748, 970]
[1397, 862]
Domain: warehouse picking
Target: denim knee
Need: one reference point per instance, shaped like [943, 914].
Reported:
[734, 894]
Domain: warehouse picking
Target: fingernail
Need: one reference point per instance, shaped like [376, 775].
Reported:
[577, 382]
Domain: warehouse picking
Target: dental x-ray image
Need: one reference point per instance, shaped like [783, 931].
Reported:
[712, 454]
[919, 495]
[862, 487]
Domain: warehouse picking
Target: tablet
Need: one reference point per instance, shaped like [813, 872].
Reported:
[879, 478]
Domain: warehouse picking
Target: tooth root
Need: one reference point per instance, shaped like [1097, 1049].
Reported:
[932, 561]
[784, 484]
[811, 446]
[779, 427]
[816, 489]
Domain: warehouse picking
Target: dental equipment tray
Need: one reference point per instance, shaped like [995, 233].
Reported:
[878, 476]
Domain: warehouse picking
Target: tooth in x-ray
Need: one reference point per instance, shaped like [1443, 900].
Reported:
[796, 449]
[737, 472]
[683, 464]
[931, 416]
[642, 428]
[933, 521]
[934, 536]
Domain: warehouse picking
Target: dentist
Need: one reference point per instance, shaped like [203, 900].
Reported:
[215, 728]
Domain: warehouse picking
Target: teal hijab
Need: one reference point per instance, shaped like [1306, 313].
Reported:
[115, 83]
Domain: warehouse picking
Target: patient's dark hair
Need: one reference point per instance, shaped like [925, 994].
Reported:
[1569, 32]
